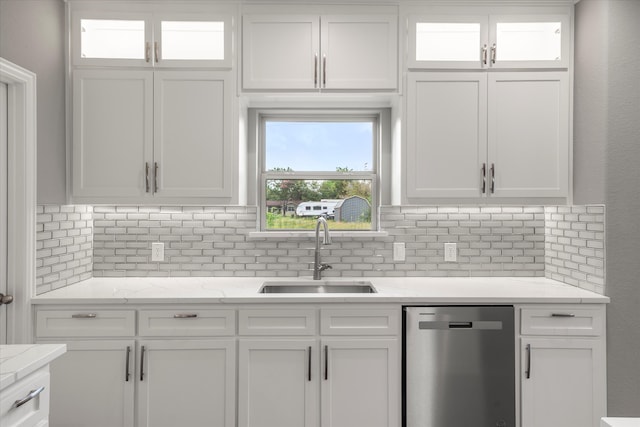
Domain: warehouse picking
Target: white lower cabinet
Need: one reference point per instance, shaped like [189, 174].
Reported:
[278, 382]
[563, 368]
[360, 382]
[93, 384]
[350, 380]
[186, 382]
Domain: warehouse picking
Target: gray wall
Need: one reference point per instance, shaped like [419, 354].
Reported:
[32, 36]
[608, 113]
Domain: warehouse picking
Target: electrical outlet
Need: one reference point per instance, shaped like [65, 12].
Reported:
[157, 251]
[398, 252]
[450, 252]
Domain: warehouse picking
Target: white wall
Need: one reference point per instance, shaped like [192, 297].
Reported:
[607, 146]
[32, 36]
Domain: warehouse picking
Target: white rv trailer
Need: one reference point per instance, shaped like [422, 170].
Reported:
[322, 208]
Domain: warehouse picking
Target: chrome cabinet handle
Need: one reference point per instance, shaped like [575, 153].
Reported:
[309, 365]
[484, 54]
[6, 299]
[156, 51]
[326, 362]
[147, 52]
[32, 395]
[146, 176]
[527, 371]
[185, 316]
[493, 53]
[142, 351]
[84, 316]
[563, 315]
[155, 178]
[493, 178]
[484, 178]
[127, 363]
[324, 70]
[315, 71]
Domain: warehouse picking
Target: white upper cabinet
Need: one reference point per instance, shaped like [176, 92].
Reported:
[280, 52]
[489, 41]
[151, 37]
[319, 52]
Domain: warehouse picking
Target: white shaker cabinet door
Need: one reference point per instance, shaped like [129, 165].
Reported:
[186, 382]
[446, 134]
[562, 381]
[360, 383]
[193, 149]
[359, 52]
[280, 51]
[112, 132]
[92, 384]
[529, 134]
[278, 383]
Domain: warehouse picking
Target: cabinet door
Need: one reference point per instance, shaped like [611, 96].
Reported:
[92, 384]
[193, 149]
[278, 383]
[190, 383]
[562, 382]
[529, 134]
[280, 51]
[112, 132]
[359, 52]
[361, 383]
[448, 41]
[446, 134]
[530, 41]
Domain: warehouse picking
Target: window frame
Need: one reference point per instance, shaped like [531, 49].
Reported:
[324, 115]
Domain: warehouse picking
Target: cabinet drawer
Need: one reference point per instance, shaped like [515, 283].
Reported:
[562, 320]
[188, 322]
[33, 394]
[85, 323]
[359, 321]
[277, 322]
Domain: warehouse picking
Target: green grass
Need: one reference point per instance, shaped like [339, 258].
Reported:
[278, 222]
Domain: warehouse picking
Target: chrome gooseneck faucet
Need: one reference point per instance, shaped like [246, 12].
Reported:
[318, 267]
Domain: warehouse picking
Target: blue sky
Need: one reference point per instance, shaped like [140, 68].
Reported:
[319, 146]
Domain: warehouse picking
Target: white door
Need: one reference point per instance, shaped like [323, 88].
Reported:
[278, 383]
[529, 133]
[559, 384]
[446, 134]
[189, 383]
[192, 141]
[280, 51]
[3, 209]
[92, 384]
[359, 52]
[112, 133]
[360, 383]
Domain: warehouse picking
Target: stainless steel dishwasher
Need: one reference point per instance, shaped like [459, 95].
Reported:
[459, 368]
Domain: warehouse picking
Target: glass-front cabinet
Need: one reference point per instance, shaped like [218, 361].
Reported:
[153, 38]
[488, 41]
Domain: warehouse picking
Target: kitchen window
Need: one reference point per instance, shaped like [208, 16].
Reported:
[320, 164]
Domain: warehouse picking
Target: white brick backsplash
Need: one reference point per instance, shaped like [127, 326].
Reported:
[76, 242]
[65, 256]
[574, 248]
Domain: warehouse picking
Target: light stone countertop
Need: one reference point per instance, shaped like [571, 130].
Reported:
[404, 290]
[18, 361]
[620, 422]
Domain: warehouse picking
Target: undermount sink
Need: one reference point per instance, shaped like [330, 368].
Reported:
[318, 287]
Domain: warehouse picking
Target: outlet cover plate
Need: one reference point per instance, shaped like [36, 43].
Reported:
[450, 252]
[157, 251]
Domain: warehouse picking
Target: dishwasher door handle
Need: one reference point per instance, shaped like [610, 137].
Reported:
[472, 325]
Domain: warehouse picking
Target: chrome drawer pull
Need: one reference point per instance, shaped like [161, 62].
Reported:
[84, 316]
[32, 395]
[185, 316]
[563, 315]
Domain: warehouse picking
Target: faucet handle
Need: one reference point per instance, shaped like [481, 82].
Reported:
[324, 267]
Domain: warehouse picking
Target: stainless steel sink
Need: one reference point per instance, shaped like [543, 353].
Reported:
[318, 287]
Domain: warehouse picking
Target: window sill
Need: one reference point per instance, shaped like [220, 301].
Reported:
[311, 234]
